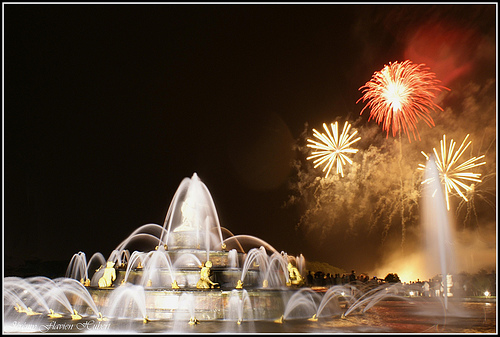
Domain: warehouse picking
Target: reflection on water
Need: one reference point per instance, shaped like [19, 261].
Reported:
[386, 317]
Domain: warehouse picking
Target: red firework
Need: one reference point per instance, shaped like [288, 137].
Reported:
[399, 95]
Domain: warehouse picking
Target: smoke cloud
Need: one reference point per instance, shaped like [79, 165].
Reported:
[370, 218]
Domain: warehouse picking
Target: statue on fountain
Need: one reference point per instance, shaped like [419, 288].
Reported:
[109, 275]
[205, 282]
[188, 211]
[294, 277]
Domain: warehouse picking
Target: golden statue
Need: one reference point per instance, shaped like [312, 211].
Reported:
[75, 315]
[239, 284]
[109, 275]
[85, 282]
[19, 308]
[294, 275]
[30, 312]
[175, 285]
[313, 319]
[53, 314]
[205, 282]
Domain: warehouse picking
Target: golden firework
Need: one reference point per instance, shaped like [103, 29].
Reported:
[454, 176]
[332, 148]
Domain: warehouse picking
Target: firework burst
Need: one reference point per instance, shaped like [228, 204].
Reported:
[332, 149]
[454, 176]
[399, 95]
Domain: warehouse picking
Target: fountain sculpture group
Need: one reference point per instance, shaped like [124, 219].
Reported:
[195, 270]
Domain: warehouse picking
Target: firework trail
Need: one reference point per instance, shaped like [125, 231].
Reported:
[399, 95]
[332, 148]
[454, 176]
[477, 192]
[364, 202]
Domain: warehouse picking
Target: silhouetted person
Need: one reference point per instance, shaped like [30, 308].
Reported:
[352, 277]
[338, 280]
[309, 278]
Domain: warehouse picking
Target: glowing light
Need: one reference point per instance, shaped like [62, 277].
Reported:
[332, 148]
[454, 176]
[399, 95]
[486, 293]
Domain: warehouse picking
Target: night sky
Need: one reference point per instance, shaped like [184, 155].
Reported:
[108, 107]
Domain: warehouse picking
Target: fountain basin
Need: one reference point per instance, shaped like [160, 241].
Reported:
[205, 305]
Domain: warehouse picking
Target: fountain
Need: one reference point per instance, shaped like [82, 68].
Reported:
[436, 225]
[194, 273]
[191, 268]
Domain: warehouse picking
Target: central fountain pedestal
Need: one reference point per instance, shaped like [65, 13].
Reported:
[205, 305]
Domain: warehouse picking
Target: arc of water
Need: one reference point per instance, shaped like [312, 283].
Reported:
[196, 186]
[186, 304]
[153, 263]
[124, 297]
[116, 257]
[136, 258]
[272, 274]
[392, 292]
[233, 261]
[333, 292]
[168, 218]
[305, 298]
[254, 254]
[229, 235]
[238, 301]
[97, 257]
[232, 239]
[15, 300]
[184, 259]
[216, 217]
[18, 283]
[75, 288]
[50, 291]
[137, 234]
[300, 263]
[77, 267]
[374, 296]
[254, 241]
[246, 302]
[207, 238]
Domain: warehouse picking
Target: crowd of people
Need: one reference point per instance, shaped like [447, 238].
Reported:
[458, 285]
[320, 279]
